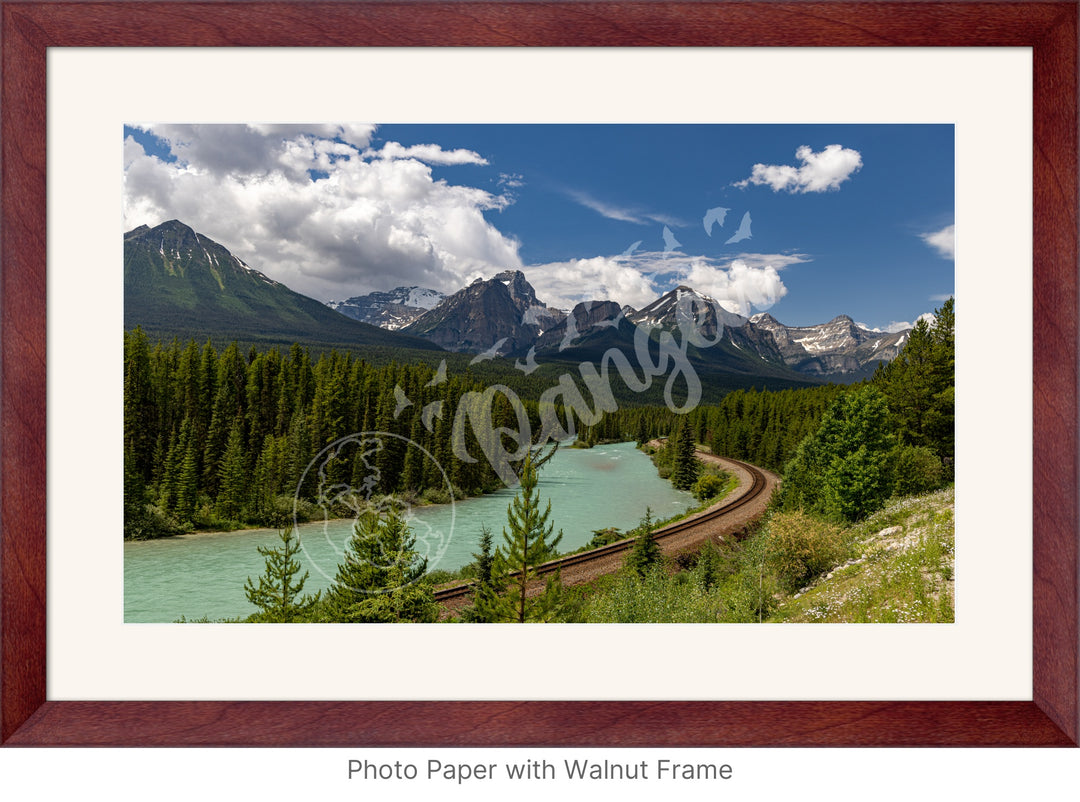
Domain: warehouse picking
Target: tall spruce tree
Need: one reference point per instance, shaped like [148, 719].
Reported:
[646, 551]
[528, 544]
[187, 484]
[382, 577]
[487, 586]
[919, 386]
[278, 594]
[235, 477]
[686, 466]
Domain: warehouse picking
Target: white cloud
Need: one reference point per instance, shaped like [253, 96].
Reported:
[511, 180]
[819, 172]
[625, 214]
[738, 287]
[601, 278]
[429, 154]
[775, 260]
[741, 285]
[249, 149]
[943, 241]
[367, 225]
[897, 326]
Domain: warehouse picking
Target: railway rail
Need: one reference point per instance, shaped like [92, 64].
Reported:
[758, 486]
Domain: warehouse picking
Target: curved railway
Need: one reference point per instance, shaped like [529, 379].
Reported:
[759, 486]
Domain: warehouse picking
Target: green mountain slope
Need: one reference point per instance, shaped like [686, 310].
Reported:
[180, 283]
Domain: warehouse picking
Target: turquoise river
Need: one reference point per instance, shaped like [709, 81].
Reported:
[201, 575]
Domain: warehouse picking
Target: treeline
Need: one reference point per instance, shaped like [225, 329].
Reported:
[762, 427]
[893, 435]
[222, 439]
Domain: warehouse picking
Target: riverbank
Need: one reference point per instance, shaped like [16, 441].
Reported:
[231, 527]
[203, 574]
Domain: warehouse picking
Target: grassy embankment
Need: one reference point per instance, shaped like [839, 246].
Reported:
[894, 567]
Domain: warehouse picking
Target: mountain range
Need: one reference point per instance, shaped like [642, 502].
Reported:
[180, 283]
[503, 317]
[389, 310]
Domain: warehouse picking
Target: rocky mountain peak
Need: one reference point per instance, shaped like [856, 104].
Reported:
[520, 289]
[391, 310]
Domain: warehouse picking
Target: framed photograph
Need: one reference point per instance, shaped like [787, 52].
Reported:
[982, 96]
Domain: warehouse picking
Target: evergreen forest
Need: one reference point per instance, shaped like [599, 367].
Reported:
[220, 439]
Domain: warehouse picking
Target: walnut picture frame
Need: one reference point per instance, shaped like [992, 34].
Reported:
[29, 718]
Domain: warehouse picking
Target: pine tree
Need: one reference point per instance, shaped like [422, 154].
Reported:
[645, 552]
[278, 595]
[686, 466]
[487, 586]
[707, 568]
[134, 497]
[234, 476]
[919, 386]
[187, 484]
[382, 577]
[641, 430]
[527, 546]
[139, 412]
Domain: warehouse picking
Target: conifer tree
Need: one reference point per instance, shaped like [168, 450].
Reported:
[641, 430]
[139, 412]
[187, 484]
[134, 497]
[646, 551]
[919, 385]
[382, 577]
[686, 466]
[527, 545]
[707, 568]
[278, 594]
[487, 586]
[234, 476]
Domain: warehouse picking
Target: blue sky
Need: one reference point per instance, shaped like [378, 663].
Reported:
[844, 219]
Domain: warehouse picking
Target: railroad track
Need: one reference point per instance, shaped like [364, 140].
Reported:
[757, 487]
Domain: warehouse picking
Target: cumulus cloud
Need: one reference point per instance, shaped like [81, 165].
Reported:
[818, 172]
[249, 149]
[901, 325]
[943, 241]
[429, 154]
[365, 224]
[740, 285]
[601, 278]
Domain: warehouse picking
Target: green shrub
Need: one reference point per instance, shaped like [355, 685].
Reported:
[604, 537]
[916, 469]
[436, 495]
[153, 523]
[709, 485]
[801, 548]
[656, 598]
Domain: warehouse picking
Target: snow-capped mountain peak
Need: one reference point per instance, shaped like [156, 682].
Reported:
[393, 309]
